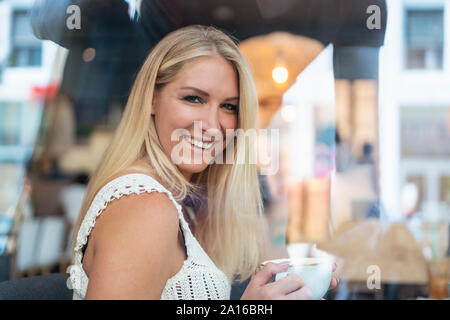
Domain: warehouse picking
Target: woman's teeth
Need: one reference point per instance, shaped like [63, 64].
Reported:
[199, 144]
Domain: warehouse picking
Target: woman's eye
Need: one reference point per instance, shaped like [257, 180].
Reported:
[192, 99]
[230, 107]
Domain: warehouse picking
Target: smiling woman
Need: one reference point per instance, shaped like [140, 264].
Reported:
[133, 239]
[205, 100]
[195, 75]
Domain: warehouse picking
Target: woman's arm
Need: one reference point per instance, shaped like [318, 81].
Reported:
[134, 243]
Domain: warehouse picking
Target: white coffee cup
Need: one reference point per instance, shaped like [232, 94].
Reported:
[315, 272]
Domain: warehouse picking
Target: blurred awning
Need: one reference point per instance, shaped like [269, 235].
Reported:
[343, 22]
[108, 49]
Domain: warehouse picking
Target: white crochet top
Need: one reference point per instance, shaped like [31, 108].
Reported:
[198, 278]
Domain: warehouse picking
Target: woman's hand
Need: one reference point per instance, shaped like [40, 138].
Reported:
[288, 288]
[334, 281]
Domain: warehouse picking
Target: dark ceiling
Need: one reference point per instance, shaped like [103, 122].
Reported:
[121, 43]
[342, 22]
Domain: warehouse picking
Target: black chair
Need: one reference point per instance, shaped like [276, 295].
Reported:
[48, 287]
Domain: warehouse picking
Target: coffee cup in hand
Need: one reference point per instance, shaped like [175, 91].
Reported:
[314, 272]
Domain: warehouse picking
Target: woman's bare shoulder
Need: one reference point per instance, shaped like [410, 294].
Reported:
[147, 210]
[134, 242]
[144, 212]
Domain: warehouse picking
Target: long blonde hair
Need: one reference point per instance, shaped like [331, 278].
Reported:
[228, 223]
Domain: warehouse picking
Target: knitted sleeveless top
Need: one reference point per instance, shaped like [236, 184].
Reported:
[198, 278]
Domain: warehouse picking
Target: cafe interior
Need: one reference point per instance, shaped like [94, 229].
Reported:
[355, 90]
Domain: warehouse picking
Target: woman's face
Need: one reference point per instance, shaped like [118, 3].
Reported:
[200, 107]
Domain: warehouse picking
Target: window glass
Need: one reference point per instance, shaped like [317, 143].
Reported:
[424, 39]
[26, 48]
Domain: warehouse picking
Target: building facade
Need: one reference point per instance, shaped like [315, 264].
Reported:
[414, 108]
[26, 68]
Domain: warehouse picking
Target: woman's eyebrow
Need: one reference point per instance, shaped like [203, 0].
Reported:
[231, 99]
[203, 93]
[206, 94]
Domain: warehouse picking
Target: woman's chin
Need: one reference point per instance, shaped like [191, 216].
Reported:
[190, 169]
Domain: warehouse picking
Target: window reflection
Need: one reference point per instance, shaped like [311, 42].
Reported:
[364, 128]
[424, 38]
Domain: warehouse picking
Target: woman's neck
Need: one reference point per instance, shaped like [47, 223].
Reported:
[186, 175]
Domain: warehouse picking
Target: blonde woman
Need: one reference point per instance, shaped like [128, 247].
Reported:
[135, 239]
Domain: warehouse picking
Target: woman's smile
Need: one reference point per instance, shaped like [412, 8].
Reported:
[198, 144]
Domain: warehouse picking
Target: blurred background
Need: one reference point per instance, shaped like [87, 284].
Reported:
[358, 91]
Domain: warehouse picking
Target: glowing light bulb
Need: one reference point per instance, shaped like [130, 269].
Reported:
[280, 74]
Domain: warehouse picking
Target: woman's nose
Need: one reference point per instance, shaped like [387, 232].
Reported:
[210, 118]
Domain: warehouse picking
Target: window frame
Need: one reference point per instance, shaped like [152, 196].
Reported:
[14, 46]
[432, 6]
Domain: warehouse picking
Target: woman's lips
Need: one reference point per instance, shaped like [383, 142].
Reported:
[205, 145]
